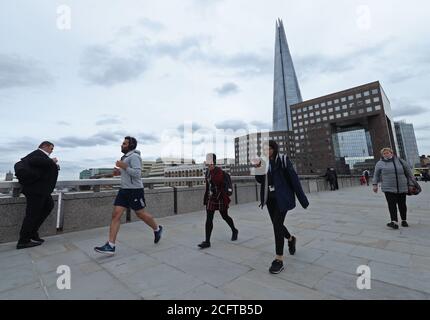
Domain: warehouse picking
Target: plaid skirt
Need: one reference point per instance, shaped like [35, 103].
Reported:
[216, 204]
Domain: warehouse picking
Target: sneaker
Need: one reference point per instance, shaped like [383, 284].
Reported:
[105, 249]
[292, 245]
[234, 236]
[204, 245]
[157, 234]
[405, 224]
[393, 225]
[277, 266]
[29, 244]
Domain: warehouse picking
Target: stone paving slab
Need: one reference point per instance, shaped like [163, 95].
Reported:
[340, 231]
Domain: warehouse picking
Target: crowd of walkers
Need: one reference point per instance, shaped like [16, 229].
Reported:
[280, 187]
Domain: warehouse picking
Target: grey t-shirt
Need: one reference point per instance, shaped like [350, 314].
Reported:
[131, 178]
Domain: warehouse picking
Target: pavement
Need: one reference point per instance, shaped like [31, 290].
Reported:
[339, 232]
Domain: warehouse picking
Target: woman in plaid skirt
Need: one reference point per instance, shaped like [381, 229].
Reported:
[216, 198]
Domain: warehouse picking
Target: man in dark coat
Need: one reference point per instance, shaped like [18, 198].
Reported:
[38, 194]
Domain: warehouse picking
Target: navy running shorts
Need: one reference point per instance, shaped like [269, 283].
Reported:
[130, 198]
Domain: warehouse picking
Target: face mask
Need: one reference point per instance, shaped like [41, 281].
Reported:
[388, 158]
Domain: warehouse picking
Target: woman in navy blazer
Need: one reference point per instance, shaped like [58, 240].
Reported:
[279, 188]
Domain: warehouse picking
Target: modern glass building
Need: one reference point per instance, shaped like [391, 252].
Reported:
[286, 91]
[407, 143]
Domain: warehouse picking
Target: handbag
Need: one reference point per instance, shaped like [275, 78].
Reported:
[415, 189]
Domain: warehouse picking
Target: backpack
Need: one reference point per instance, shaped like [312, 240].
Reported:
[25, 174]
[228, 186]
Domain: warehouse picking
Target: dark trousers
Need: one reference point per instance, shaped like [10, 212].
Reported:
[210, 219]
[38, 209]
[395, 200]
[278, 218]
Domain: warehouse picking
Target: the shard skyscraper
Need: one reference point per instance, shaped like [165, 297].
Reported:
[286, 87]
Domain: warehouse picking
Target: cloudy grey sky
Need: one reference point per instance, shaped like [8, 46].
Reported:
[151, 68]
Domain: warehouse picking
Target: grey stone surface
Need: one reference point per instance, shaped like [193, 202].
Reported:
[329, 250]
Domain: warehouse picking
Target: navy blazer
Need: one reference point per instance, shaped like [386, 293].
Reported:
[287, 186]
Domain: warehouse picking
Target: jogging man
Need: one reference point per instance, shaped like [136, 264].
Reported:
[131, 195]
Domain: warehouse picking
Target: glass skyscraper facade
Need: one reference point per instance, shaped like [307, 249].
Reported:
[407, 143]
[286, 87]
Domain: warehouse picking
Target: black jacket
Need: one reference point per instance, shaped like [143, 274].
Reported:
[47, 171]
[287, 186]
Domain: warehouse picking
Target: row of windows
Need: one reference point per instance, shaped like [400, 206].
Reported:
[336, 101]
[330, 110]
[337, 116]
[276, 138]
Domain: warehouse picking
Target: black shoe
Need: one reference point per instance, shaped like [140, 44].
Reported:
[234, 236]
[393, 225]
[405, 224]
[29, 244]
[38, 239]
[204, 245]
[292, 245]
[277, 266]
[157, 234]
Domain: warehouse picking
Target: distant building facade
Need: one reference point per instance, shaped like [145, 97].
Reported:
[408, 148]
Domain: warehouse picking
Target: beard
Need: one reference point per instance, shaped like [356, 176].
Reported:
[124, 150]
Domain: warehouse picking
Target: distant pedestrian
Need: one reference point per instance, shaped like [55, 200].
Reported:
[131, 195]
[425, 176]
[216, 198]
[331, 176]
[279, 188]
[366, 175]
[44, 172]
[395, 177]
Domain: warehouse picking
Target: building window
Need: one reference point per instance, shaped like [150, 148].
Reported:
[299, 110]
[369, 109]
[323, 111]
[337, 108]
[302, 137]
[311, 108]
[300, 124]
[311, 114]
[325, 118]
[336, 101]
[329, 103]
[305, 109]
[318, 119]
[345, 114]
[350, 98]
[296, 131]
[361, 111]
[293, 111]
[338, 115]
[297, 144]
[331, 117]
[317, 106]
[366, 93]
[358, 95]
[301, 130]
[376, 99]
[368, 101]
[353, 112]
[306, 122]
[375, 91]
[330, 110]
[294, 118]
[305, 116]
[323, 104]
[312, 121]
[378, 107]
[299, 117]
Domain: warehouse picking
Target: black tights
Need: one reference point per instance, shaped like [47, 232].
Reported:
[210, 219]
[278, 218]
[394, 200]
